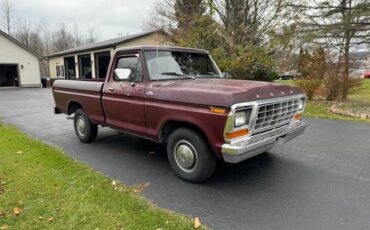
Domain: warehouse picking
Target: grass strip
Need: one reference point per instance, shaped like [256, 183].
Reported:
[42, 188]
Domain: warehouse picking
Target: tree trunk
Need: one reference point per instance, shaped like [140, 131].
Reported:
[8, 23]
[346, 69]
[346, 14]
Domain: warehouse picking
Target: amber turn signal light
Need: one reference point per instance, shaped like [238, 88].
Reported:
[238, 133]
[217, 110]
[297, 117]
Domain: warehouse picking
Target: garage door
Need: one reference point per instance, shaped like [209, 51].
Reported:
[9, 75]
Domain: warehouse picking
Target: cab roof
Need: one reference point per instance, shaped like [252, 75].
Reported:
[162, 48]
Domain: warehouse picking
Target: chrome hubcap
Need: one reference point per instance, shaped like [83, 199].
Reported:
[80, 125]
[185, 155]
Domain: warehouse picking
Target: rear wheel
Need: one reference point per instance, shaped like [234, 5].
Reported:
[190, 156]
[85, 130]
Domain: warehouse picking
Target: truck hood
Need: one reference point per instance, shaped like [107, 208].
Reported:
[222, 92]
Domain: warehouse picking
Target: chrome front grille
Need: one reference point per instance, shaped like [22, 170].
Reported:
[275, 114]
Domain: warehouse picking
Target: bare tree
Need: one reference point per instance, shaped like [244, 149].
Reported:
[35, 39]
[250, 21]
[7, 13]
[78, 39]
[62, 39]
[343, 24]
[23, 31]
[91, 36]
[46, 36]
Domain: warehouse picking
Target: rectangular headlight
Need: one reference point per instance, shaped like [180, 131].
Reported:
[242, 117]
[301, 104]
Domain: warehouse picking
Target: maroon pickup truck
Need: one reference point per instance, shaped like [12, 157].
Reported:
[178, 96]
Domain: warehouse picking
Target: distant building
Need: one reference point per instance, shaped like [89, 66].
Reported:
[19, 65]
[91, 61]
[360, 63]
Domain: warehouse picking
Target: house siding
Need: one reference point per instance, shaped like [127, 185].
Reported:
[12, 53]
[360, 64]
[150, 39]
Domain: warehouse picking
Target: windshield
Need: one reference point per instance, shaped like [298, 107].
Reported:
[164, 65]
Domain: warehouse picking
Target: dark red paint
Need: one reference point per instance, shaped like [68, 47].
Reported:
[145, 108]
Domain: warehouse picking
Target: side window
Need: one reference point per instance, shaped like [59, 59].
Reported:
[133, 63]
[140, 73]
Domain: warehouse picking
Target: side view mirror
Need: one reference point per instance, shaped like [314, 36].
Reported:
[123, 74]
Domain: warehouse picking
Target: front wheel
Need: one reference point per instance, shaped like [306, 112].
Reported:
[85, 130]
[190, 156]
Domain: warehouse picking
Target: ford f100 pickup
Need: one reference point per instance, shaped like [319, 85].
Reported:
[178, 96]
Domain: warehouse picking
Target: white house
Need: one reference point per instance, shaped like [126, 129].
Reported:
[360, 63]
[19, 65]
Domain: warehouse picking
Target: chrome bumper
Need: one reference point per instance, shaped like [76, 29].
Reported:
[253, 145]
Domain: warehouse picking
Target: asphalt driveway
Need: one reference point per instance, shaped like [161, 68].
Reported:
[321, 180]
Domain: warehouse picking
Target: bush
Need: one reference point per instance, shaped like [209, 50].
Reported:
[245, 63]
[309, 86]
[333, 83]
[263, 75]
[312, 66]
[321, 77]
[355, 83]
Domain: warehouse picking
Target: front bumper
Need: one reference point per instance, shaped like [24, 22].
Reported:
[253, 145]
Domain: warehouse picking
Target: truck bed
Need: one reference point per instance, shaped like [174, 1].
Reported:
[87, 93]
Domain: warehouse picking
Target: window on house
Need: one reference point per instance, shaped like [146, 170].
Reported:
[101, 64]
[85, 66]
[60, 70]
[70, 67]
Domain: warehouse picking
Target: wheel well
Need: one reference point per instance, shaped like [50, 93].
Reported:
[171, 126]
[72, 107]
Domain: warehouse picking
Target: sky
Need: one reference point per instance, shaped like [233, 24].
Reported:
[108, 17]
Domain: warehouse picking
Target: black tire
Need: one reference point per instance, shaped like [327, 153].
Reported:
[90, 130]
[179, 143]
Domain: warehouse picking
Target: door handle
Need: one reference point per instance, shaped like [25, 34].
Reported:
[111, 89]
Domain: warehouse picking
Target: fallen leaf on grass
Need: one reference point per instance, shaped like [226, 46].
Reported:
[19, 152]
[17, 211]
[2, 214]
[51, 219]
[141, 187]
[197, 223]
[114, 184]
[4, 227]
[40, 217]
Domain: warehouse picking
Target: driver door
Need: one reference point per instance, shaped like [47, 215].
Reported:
[123, 100]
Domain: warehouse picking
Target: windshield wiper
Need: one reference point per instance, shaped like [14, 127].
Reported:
[211, 73]
[177, 75]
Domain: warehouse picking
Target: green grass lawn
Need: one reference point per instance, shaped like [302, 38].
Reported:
[285, 82]
[359, 97]
[41, 188]
[319, 109]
